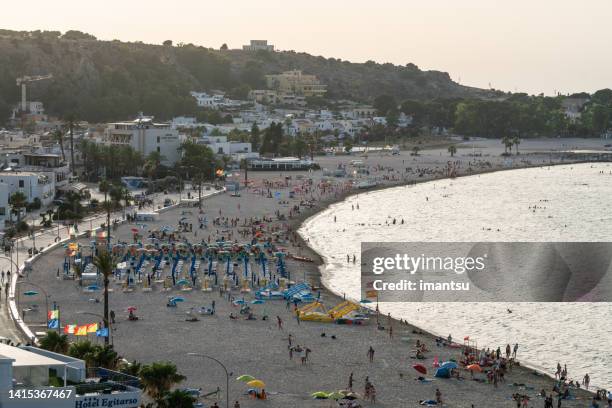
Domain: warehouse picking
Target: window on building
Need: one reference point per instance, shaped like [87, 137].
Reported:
[21, 184]
[158, 149]
[2, 211]
[158, 139]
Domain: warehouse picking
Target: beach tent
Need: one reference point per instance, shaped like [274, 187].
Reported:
[245, 378]
[445, 369]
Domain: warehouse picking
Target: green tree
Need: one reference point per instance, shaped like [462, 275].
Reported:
[18, 202]
[55, 342]
[198, 157]
[177, 399]
[158, 378]
[385, 103]
[105, 263]
[58, 135]
[415, 150]
[452, 149]
[254, 137]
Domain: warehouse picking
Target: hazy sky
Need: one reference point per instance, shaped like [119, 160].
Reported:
[517, 45]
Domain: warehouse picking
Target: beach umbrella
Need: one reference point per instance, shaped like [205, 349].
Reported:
[474, 367]
[177, 299]
[258, 301]
[319, 395]
[420, 368]
[131, 308]
[182, 282]
[365, 301]
[257, 384]
[245, 378]
[30, 293]
[239, 302]
[93, 287]
[134, 230]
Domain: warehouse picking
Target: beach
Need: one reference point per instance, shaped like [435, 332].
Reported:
[259, 347]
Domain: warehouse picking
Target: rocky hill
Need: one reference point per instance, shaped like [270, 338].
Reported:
[108, 80]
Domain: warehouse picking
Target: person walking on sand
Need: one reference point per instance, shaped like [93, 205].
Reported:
[515, 350]
[438, 396]
[508, 351]
[350, 382]
[279, 322]
[586, 380]
[558, 372]
[371, 354]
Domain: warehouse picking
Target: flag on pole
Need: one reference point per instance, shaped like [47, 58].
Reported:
[81, 331]
[70, 328]
[53, 314]
[53, 324]
[102, 332]
[92, 327]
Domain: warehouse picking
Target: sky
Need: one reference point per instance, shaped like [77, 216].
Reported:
[535, 46]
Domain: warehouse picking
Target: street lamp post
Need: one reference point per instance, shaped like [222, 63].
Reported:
[110, 328]
[227, 374]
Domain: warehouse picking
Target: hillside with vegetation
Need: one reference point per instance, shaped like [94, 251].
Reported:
[110, 80]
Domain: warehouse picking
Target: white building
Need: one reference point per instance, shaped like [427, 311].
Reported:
[256, 45]
[23, 368]
[145, 136]
[220, 145]
[183, 121]
[32, 185]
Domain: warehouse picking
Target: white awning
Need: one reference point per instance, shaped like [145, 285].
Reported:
[25, 358]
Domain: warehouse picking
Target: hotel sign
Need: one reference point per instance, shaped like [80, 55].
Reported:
[120, 400]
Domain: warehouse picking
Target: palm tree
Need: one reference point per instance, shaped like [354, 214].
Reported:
[452, 149]
[507, 142]
[516, 141]
[105, 187]
[132, 368]
[59, 136]
[158, 378]
[53, 341]
[18, 201]
[177, 399]
[105, 264]
[70, 124]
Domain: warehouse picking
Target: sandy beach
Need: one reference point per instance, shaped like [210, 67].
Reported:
[259, 347]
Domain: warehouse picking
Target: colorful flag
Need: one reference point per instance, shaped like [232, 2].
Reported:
[102, 332]
[92, 327]
[80, 331]
[53, 314]
[70, 328]
[53, 324]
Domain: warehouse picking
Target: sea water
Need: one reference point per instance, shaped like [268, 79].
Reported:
[557, 203]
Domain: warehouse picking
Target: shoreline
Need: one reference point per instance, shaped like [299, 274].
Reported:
[332, 359]
[319, 260]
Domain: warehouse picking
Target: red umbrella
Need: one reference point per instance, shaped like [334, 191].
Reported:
[131, 308]
[474, 367]
[420, 368]
[134, 230]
